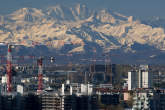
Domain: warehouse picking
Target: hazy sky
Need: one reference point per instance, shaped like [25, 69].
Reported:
[141, 8]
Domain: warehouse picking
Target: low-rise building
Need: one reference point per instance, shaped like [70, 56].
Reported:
[143, 101]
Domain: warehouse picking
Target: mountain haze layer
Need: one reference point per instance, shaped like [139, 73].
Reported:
[80, 30]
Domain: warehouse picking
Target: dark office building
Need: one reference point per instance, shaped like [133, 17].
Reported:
[80, 102]
[110, 99]
[31, 102]
[158, 101]
[10, 102]
[19, 102]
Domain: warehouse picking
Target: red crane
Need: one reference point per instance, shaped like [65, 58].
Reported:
[9, 69]
[9, 65]
[40, 74]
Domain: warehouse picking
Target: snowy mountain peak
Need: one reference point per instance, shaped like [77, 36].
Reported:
[79, 29]
[27, 14]
[60, 12]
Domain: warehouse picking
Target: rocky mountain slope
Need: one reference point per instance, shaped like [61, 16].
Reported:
[81, 30]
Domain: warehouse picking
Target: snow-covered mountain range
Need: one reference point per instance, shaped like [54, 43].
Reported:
[81, 30]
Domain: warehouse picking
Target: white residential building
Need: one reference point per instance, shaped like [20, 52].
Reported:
[141, 78]
[20, 89]
[142, 101]
[132, 80]
[76, 88]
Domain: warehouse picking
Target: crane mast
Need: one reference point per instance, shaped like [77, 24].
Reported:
[40, 74]
[9, 69]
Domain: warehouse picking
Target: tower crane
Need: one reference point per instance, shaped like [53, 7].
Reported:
[9, 61]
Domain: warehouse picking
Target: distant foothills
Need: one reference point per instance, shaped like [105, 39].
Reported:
[84, 33]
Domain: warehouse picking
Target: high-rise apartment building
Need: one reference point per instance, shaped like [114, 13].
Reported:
[141, 78]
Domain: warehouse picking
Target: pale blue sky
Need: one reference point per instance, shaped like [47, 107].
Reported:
[140, 8]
